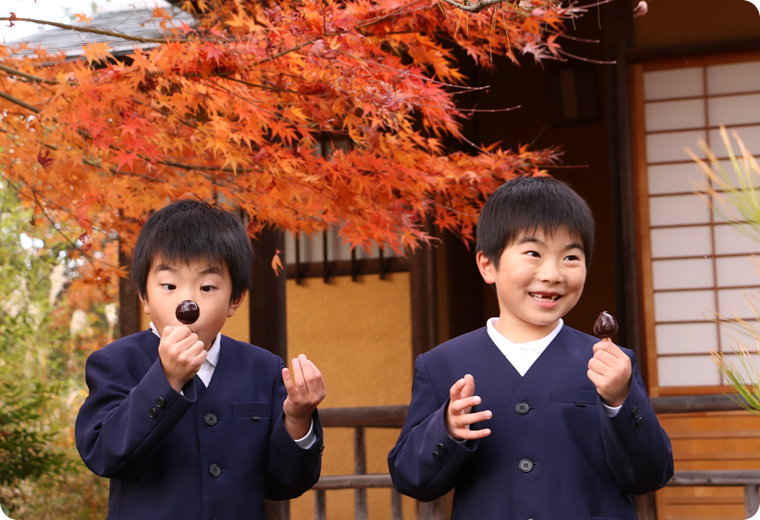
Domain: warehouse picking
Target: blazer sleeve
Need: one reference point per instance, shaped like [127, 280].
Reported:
[637, 449]
[122, 421]
[425, 462]
[291, 470]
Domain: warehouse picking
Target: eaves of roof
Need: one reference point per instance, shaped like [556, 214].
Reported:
[133, 22]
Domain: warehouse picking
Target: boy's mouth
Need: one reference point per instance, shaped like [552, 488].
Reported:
[545, 297]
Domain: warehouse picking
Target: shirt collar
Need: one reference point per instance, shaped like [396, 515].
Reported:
[212, 358]
[508, 346]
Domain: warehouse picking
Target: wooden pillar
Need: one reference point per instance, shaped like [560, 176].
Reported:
[129, 303]
[267, 318]
[268, 325]
[422, 282]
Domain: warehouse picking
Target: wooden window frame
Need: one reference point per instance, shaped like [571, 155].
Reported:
[641, 202]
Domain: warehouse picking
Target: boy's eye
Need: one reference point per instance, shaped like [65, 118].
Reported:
[573, 258]
[168, 286]
[207, 288]
[533, 253]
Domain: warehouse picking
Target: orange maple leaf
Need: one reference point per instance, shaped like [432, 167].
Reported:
[81, 17]
[277, 263]
[96, 51]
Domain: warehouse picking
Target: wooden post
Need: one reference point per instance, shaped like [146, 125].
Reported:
[129, 303]
[751, 500]
[397, 512]
[320, 505]
[422, 281]
[435, 510]
[267, 317]
[360, 468]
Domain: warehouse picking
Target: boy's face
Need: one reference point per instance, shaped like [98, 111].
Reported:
[538, 280]
[210, 286]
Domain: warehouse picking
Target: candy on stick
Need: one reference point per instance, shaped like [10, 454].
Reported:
[605, 326]
[187, 312]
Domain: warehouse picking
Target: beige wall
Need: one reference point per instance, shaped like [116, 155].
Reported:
[683, 22]
[359, 335]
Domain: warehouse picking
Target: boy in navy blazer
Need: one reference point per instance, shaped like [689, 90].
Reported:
[560, 427]
[189, 424]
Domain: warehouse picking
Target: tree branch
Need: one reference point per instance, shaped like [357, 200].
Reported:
[20, 103]
[25, 75]
[94, 30]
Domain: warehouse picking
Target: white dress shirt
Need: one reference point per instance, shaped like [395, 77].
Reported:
[523, 355]
[206, 372]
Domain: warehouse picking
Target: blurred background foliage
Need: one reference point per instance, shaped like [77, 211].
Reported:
[46, 332]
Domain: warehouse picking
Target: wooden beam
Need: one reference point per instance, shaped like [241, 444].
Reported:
[373, 480]
[694, 403]
[422, 282]
[376, 416]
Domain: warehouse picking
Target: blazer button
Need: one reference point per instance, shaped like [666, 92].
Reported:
[210, 419]
[152, 413]
[526, 465]
[639, 422]
[321, 449]
[160, 402]
[437, 456]
[522, 408]
[635, 412]
[214, 470]
[441, 448]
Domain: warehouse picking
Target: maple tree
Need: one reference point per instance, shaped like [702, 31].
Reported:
[233, 108]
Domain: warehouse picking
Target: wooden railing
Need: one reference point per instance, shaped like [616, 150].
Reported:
[360, 419]
[748, 479]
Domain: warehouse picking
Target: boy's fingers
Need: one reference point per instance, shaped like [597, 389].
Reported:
[298, 374]
[463, 404]
[288, 381]
[472, 418]
[474, 434]
[321, 387]
[455, 392]
[468, 390]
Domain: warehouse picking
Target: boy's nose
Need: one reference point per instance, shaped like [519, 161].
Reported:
[550, 273]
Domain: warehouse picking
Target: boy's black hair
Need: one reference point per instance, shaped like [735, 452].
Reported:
[527, 204]
[188, 230]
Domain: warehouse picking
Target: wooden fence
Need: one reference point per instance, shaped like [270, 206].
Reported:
[360, 418]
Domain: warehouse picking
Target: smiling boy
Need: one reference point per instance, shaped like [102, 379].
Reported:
[566, 430]
[187, 423]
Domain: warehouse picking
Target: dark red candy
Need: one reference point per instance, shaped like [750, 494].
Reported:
[605, 326]
[187, 312]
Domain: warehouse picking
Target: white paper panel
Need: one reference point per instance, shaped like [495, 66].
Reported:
[737, 270]
[733, 302]
[336, 248]
[682, 274]
[734, 110]
[687, 371]
[731, 335]
[734, 77]
[673, 115]
[678, 209]
[730, 241]
[677, 83]
[691, 241]
[683, 305]
[674, 178]
[686, 338]
[728, 168]
[750, 135]
[671, 146]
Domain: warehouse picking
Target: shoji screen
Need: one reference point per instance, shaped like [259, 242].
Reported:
[692, 262]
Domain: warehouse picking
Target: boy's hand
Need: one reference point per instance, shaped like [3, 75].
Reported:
[458, 416]
[306, 389]
[182, 355]
[610, 371]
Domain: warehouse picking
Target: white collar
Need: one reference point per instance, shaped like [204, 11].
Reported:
[507, 346]
[212, 358]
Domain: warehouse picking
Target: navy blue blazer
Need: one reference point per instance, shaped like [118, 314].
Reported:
[213, 453]
[553, 453]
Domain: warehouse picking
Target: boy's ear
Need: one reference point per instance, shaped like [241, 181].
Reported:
[234, 304]
[146, 305]
[486, 267]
